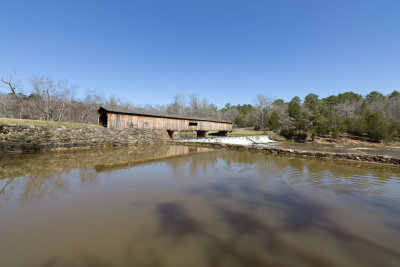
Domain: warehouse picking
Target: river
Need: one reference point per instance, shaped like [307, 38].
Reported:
[191, 206]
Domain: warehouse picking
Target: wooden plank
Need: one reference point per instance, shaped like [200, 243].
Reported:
[147, 122]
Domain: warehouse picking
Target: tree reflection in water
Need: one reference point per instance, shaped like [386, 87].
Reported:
[218, 207]
[46, 173]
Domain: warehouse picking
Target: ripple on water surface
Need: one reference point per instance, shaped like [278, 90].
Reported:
[185, 206]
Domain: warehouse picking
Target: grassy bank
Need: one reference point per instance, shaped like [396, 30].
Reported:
[244, 132]
[8, 121]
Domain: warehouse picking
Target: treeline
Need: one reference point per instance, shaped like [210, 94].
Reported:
[56, 101]
[47, 100]
[374, 116]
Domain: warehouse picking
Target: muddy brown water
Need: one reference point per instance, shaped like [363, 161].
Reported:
[192, 206]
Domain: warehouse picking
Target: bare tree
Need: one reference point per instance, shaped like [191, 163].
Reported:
[228, 112]
[194, 105]
[393, 108]
[9, 84]
[282, 110]
[112, 102]
[262, 106]
[6, 106]
[43, 96]
[204, 108]
[89, 105]
[178, 106]
[51, 98]
[64, 96]
[348, 108]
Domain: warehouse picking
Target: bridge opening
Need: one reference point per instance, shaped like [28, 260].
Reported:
[103, 119]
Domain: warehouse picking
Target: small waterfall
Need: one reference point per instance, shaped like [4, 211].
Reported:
[260, 139]
[234, 140]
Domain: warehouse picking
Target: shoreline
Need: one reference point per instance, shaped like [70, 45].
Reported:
[355, 157]
[21, 138]
[18, 138]
[346, 141]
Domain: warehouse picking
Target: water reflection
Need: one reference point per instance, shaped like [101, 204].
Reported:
[250, 236]
[48, 173]
[48, 163]
[187, 206]
[253, 240]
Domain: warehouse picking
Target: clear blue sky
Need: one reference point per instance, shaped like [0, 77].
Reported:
[228, 51]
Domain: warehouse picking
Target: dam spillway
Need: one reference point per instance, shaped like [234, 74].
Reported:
[233, 140]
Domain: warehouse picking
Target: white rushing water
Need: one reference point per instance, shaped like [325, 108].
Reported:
[234, 140]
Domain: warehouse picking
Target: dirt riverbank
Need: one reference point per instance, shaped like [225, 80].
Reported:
[360, 157]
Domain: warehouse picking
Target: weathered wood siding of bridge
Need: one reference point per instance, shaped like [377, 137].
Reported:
[118, 119]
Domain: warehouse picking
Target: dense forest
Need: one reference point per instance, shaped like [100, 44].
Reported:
[374, 116]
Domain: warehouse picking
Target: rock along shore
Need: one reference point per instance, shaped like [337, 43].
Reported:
[386, 159]
[19, 138]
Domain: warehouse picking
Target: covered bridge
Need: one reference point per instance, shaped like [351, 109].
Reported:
[118, 118]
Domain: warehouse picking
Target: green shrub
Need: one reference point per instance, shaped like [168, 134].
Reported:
[274, 121]
[335, 133]
[356, 126]
[287, 133]
[377, 127]
[300, 136]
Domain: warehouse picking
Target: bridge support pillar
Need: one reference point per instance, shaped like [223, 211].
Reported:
[172, 134]
[202, 133]
[222, 133]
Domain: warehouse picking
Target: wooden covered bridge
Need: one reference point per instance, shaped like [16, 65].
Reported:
[118, 118]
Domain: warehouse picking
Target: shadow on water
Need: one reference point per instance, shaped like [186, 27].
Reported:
[176, 225]
[241, 215]
[300, 215]
[80, 261]
[228, 218]
[175, 222]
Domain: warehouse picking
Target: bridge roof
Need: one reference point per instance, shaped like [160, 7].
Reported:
[148, 114]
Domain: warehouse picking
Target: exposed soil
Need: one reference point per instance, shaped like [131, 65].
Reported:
[353, 156]
[353, 141]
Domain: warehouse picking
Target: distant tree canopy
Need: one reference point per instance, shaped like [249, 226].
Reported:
[375, 115]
